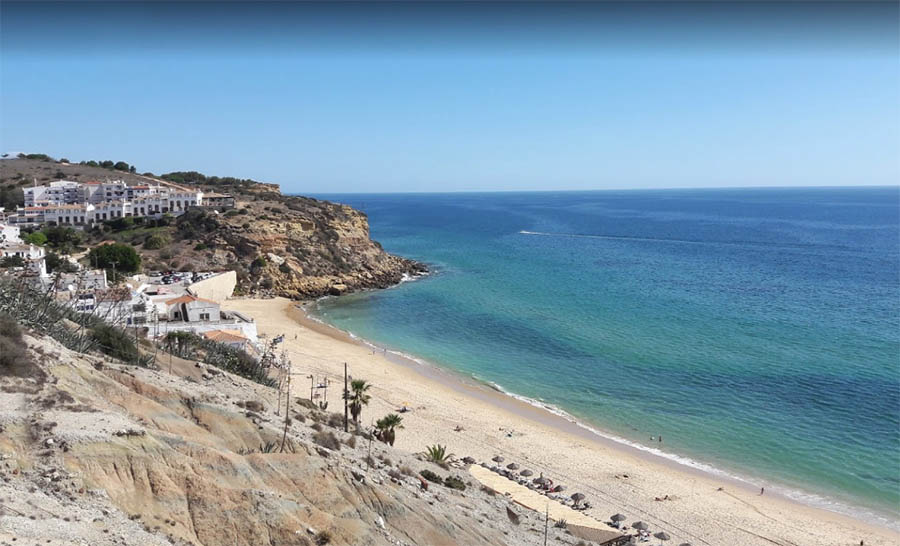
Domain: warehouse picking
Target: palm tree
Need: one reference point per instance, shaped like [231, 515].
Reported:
[386, 427]
[438, 455]
[357, 397]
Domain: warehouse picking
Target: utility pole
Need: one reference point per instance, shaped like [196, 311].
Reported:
[546, 521]
[312, 386]
[369, 454]
[287, 411]
[346, 397]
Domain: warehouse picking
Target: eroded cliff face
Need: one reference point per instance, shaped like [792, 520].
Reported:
[295, 247]
[96, 452]
[290, 246]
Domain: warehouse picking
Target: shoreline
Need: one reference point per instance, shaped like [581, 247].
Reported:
[621, 477]
[560, 419]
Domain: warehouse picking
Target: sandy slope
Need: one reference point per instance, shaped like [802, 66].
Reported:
[701, 513]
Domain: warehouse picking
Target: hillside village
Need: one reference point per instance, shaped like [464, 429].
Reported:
[191, 246]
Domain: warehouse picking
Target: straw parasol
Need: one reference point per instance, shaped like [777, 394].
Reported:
[559, 488]
[640, 526]
[527, 473]
[468, 460]
[662, 535]
[685, 544]
[578, 497]
[618, 517]
[497, 459]
[541, 480]
[512, 466]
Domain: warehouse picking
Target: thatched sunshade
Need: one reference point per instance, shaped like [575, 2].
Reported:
[468, 460]
[662, 535]
[618, 517]
[527, 473]
[541, 480]
[578, 497]
[497, 459]
[640, 526]
[685, 544]
[512, 466]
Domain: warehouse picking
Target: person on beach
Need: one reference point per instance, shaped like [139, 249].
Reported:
[660, 439]
[762, 490]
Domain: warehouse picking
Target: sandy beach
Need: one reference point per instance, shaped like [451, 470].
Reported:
[702, 508]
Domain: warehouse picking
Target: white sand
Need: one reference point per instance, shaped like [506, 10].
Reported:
[543, 442]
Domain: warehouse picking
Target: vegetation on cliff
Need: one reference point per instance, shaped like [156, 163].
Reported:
[278, 244]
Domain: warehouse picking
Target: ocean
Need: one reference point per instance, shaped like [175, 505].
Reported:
[756, 330]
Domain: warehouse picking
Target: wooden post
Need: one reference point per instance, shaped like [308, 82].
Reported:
[346, 398]
[287, 412]
[546, 521]
[369, 454]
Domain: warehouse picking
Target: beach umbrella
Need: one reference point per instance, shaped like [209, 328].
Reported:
[640, 526]
[685, 544]
[541, 481]
[618, 517]
[527, 473]
[559, 488]
[512, 466]
[662, 535]
[468, 460]
[497, 459]
[578, 497]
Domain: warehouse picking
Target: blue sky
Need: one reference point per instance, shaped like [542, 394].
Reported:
[440, 97]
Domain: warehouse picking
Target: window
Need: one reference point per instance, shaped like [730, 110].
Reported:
[204, 316]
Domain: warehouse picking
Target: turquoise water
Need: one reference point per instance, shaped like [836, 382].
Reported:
[756, 330]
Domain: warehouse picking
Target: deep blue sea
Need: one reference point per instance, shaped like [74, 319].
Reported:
[756, 330]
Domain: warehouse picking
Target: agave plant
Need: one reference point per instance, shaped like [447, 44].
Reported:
[357, 397]
[385, 428]
[438, 455]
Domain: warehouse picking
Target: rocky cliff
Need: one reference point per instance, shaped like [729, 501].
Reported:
[96, 452]
[295, 247]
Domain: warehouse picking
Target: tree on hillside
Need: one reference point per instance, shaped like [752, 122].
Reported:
[385, 428]
[358, 398]
[58, 264]
[11, 197]
[63, 238]
[35, 238]
[117, 257]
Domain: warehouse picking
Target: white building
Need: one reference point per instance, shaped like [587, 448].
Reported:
[75, 204]
[60, 192]
[69, 215]
[9, 234]
[32, 255]
[189, 308]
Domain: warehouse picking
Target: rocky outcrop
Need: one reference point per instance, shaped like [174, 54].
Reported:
[277, 244]
[96, 452]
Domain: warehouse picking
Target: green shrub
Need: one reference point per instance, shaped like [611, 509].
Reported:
[454, 483]
[12, 261]
[155, 242]
[115, 343]
[35, 238]
[260, 261]
[431, 476]
[58, 264]
[200, 246]
[120, 256]
[14, 358]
